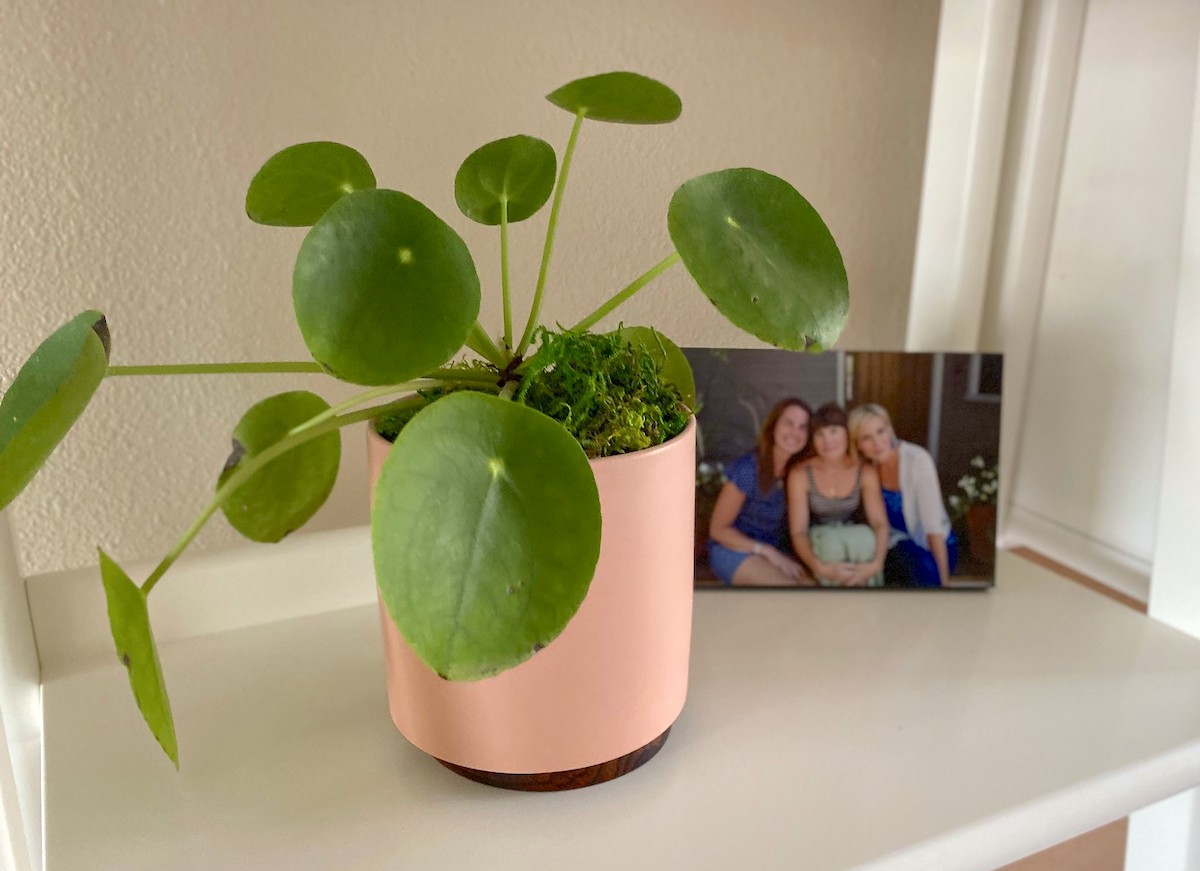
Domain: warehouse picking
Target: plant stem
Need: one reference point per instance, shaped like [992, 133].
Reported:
[481, 343]
[252, 465]
[215, 369]
[531, 325]
[509, 389]
[508, 329]
[637, 284]
[435, 378]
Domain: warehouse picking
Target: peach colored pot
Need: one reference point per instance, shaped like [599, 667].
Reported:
[615, 679]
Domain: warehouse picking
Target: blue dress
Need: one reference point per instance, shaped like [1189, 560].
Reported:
[763, 517]
[908, 564]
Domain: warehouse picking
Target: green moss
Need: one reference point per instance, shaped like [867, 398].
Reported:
[609, 395]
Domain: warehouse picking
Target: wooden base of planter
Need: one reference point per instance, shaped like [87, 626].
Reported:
[553, 781]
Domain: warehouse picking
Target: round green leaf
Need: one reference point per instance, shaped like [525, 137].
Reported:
[763, 256]
[519, 170]
[383, 289]
[486, 532]
[675, 367]
[297, 186]
[129, 620]
[284, 494]
[623, 98]
[46, 398]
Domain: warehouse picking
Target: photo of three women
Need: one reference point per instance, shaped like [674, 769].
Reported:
[831, 499]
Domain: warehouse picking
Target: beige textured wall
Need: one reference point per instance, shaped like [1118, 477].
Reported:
[130, 130]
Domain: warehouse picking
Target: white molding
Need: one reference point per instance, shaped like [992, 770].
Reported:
[1175, 595]
[20, 719]
[974, 373]
[1042, 98]
[976, 52]
[1153, 842]
[934, 439]
[1165, 836]
[1121, 571]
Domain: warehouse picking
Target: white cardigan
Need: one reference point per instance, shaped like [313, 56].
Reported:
[920, 496]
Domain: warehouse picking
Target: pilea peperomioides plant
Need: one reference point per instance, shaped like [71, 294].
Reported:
[486, 525]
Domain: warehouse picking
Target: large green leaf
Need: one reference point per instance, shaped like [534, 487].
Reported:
[623, 98]
[130, 624]
[486, 532]
[49, 393]
[519, 170]
[297, 186]
[763, 255]
[384, 290]
[284, 494]
[675, 367]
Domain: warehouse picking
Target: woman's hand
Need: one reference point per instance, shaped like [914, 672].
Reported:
[861, 573]
[835, 574]
[789, 568]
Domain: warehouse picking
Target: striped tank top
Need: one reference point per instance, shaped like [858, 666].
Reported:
[823, 509]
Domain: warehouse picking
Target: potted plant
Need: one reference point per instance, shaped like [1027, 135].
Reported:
[486, 525]
[975, 505]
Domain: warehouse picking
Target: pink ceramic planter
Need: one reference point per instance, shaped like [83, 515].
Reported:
[615, 680]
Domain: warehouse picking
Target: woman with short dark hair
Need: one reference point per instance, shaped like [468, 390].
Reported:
[836, 514]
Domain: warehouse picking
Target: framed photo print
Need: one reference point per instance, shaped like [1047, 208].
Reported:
[846, 469]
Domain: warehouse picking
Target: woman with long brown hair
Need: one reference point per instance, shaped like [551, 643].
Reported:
[748, 542]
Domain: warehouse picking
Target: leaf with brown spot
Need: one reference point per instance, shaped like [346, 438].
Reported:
[129, 620]
[49, 393]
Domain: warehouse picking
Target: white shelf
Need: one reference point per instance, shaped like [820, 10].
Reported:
[823, 730]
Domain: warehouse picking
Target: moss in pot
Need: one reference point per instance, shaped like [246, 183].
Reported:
[386, 296]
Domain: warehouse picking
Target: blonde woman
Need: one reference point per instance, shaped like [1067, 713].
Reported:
[922, 550]
[747, 535]
[829, 495]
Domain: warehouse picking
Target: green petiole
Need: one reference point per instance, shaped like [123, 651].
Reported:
[436, 378]
[251, 466]
[624, 294]
[216, 369]
[508, 327]
[481, 343]
[535, 310]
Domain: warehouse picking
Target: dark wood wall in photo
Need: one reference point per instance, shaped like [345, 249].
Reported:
[900, 383]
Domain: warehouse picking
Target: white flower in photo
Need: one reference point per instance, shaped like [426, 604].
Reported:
[978, 487]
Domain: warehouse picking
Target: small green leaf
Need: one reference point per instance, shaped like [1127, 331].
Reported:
[486, 532]
[623, 98]
[130, 623]
[519, 169]
[284, 494]
[384, 290]
[297, 186]
[675, 366]
[763, 255]
[46, 398]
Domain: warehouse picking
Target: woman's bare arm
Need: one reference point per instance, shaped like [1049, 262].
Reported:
[873, 507]
[725, 513]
